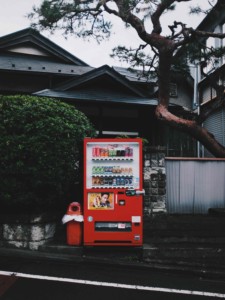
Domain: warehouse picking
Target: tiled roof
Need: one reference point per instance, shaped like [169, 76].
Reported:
[98, 74]
[134, 75]
[30, 37]
[102, 96]
[39, 64]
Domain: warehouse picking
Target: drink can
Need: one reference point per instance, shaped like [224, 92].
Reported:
[97, 151]
[118, 181]
[118, 152]
[94, 152]
[110, 181]
[131, 152]
[122, 181]
[96, 170]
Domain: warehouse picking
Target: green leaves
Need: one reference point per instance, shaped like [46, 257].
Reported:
[40, 142]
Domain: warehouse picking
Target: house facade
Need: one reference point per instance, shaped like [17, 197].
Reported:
[215, 123]
[118, 101]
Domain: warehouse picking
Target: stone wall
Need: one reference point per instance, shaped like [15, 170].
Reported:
[27, 231]
[154, 180]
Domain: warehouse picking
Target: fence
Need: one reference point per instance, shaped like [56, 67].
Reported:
[194, 185]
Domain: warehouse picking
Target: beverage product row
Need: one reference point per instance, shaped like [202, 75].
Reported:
[112, 181]
[112, 151]
[112, 170]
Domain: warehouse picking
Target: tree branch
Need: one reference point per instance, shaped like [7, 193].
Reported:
[193, 129]
[207, 34]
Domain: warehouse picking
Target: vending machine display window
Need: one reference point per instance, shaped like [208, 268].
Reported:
[113, 165]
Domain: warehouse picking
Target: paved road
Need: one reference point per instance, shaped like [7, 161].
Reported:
[29, 279]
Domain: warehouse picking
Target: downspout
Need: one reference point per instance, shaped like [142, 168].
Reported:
[196, 103]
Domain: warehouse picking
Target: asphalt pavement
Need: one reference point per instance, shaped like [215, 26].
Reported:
[187, 244]
[207, 262]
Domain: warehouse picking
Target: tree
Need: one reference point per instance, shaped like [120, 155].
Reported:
[40, 142]
[88, 18]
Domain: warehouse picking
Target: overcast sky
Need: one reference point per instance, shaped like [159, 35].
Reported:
[13, 18]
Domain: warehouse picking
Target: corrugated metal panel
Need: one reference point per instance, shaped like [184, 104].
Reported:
[194, 186]
[215, 124]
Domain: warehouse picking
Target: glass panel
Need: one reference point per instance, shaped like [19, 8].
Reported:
[113, 165]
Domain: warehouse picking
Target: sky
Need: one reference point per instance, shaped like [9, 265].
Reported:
[13, 18]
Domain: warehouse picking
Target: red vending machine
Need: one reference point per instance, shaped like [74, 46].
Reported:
[113, 192]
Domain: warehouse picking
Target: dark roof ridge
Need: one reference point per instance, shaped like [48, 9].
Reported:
[105, 69]
[33, 36]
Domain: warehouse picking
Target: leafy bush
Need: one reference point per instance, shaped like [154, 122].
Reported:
[40, 147]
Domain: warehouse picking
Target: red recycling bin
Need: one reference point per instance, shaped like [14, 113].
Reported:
[74, 227]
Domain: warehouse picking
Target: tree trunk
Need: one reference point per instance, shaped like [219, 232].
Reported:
[190, 127]
[193, 129]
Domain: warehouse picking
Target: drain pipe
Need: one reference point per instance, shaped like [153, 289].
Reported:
[196, 103]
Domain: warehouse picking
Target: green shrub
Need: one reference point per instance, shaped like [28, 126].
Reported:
[40, 147]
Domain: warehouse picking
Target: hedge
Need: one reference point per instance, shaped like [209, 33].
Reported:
[40, 148]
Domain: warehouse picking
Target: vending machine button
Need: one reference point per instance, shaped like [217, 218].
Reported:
[136, 219]
[122, 202]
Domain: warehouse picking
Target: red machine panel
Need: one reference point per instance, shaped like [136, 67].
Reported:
[113, 209]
